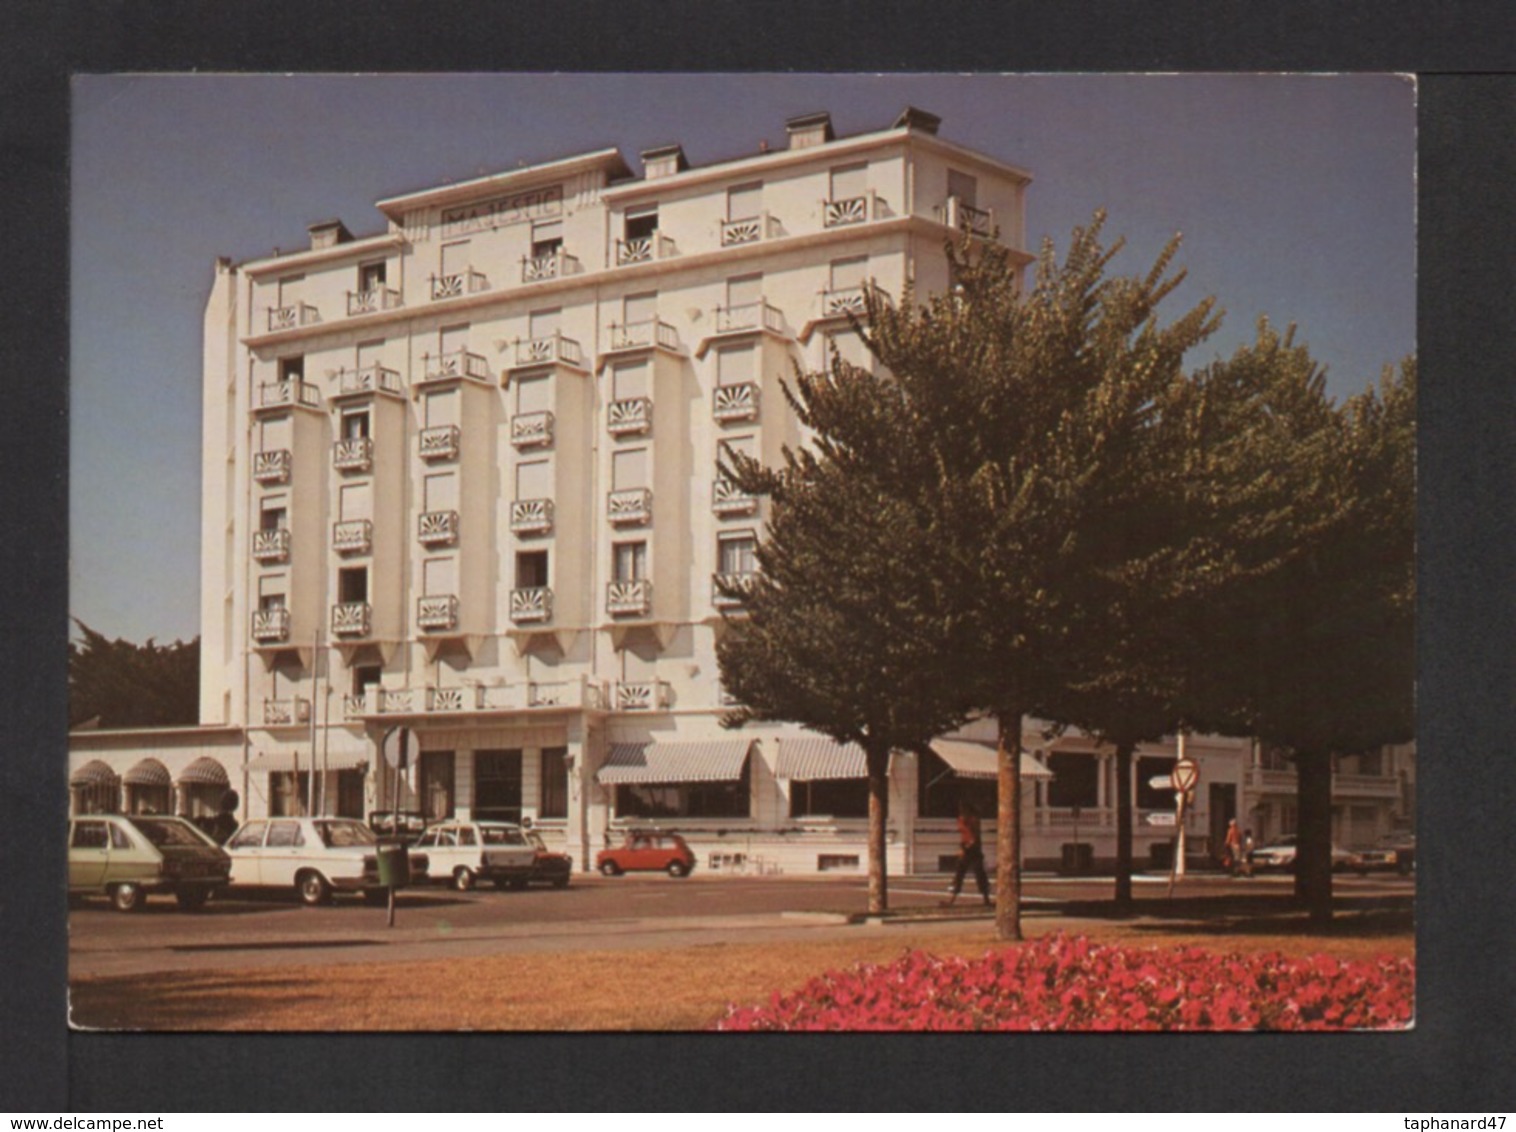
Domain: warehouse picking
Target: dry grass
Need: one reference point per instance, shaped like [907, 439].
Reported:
[668, 989]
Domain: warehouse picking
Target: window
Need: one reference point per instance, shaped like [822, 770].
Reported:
[89, 835]
[547, 237]
[497, 785]
[544, 323]
[371, 276]
[436, 784]
[531, 569]
[964, 187]
[439, 492]
[737, 554]
[637, 309]
[355, 424]
[366, 676]
[629, 469]
[249, 835]
[534, 394]
[641, 221]
[273, 597]
[554, 800]
[466, 835]
[355, 502]
[849, 181]
[735, 364]
[743, 290]
[629, 561]
[455, 258]
[534, 479]
[292, 369]
[629, 380]
[352, 584]
[439, 576]
[685, 799]
[441, 408]
[285, 835]
[120, 839]
[1074, 779]
[287, 792]
[273, 516]
[830, 797]
[1149, 797]
[848, 273]
[744, 202]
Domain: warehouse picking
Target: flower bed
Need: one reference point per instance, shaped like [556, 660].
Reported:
[1069, 983]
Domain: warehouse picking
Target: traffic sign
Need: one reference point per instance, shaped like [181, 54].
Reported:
[1161, 782]
[1159, 817]
[1184, 776]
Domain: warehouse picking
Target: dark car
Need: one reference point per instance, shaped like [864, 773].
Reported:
[549, 867]
[648, 851]
[1395, 851]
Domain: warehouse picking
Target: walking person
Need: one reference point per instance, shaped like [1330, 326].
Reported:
[970, 853]
[1231, 854]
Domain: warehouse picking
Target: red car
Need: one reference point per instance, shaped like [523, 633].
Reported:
[645, 851]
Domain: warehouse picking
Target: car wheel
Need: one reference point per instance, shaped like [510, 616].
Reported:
[463, 878]
[678, 869]
[192, 899]
[128, 898]
[313, 889]
[610, 869]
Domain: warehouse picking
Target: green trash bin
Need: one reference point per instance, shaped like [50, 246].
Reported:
[394, 865]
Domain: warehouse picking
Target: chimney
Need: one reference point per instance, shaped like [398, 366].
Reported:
[913, 119]
[664, 161]
[810, 129]
[328, 234]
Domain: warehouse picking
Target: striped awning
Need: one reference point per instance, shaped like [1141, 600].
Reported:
[94, 773]
[815, 757]
[977, 760]
[276, 762]
[204, 772]
[148, 772]
[705, 760]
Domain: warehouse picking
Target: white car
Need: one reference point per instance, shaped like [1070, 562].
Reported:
[1281, 855]
[466, 852]
[313, 856]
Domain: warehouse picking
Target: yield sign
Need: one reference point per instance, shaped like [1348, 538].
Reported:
[1184, 776]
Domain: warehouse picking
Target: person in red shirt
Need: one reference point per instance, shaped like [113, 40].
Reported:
[971, 853]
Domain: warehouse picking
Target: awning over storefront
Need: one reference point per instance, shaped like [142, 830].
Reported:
[275, 762]
[706, 760]
[93, 773]
[148, 772]
[977, 760]
[816, 757]
[204, 772]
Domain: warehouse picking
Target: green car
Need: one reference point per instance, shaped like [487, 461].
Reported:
[126, 857]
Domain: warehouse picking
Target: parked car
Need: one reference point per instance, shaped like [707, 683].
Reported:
[128, 856]
[313, 856]
[648, 851]
[1280, 855]
[1395, 851]
[462, 853]
[402, 825]
[549, 867]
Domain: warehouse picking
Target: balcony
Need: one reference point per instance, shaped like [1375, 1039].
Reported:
[634, 598]
[353, 536]
[633, 507]
[279, 394]
[456, 284]
[629, 416]
[532, 430]
[735, 402]
[292, 317]
[956, 213]
[437, 611]
[456, 363]
[273, 466]
[844, 211]
[373, 378]
[843, 302]
[644, 695]
[271, 545]
[1365, 786]
[500, 697]
[372, 301]
[645, 333]
[532, 516]
[737, 586]
[356, 705]
[549, 265]
[566, 693]
[437, 528]
[757, 315]
[352, 619]
[533, 605]
[445, 699]
[749, 230]
[271, 626]
[286, 713]
[547, 349]
[353, 454]
[728, 499]
[439, 442]
[643, 249]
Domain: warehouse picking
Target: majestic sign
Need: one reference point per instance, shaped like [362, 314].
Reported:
[534, 205]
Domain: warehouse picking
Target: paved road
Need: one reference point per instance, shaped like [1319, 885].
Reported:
[594, 913]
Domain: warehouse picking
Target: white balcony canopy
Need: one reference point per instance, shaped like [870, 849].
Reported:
[273, 762]
[816, 757]
[707, 760]
[977, 760]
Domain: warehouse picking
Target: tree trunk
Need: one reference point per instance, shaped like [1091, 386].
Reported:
[1008, 828]
[879, 811]
[1313, 852]
[1124, 751]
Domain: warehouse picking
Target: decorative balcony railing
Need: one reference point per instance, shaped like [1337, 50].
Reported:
[548, 265]
[729, 590]
[848, 210]
[647, 332]
[748, 230]
[644, 695]
[272, 545]
[355, 705]
[371, 301]
[353, 454]
[1366, 785]
[629, 415]
[757, 315]
[531, 605]
[532, 516]
[843, 301]
[455, 284]
[277, 394]
[532, 430]
[352, 619]
[548, 348]
[631, 507]
[285, 713]
[444, 699]
[437, 611]
[629, 598]
[437, 528]
[353, 536]
[271, 625]
[440, 442]
[368, 379]
[396, 701]
[456, 363]
[729, 499]
[291, 316]
[643, 249]
[273, 466]
[966, 218]
[735, 402]
[499, 697]
[566, 693]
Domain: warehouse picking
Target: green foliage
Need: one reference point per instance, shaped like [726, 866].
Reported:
[120, 684]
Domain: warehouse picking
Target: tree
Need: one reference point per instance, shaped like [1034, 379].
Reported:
[121, 684]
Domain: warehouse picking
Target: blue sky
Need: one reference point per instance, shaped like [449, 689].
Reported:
[1295, 196]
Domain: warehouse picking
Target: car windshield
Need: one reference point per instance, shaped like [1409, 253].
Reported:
[501, 835]
[537, 842]
[169, 831]
[344, 834]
